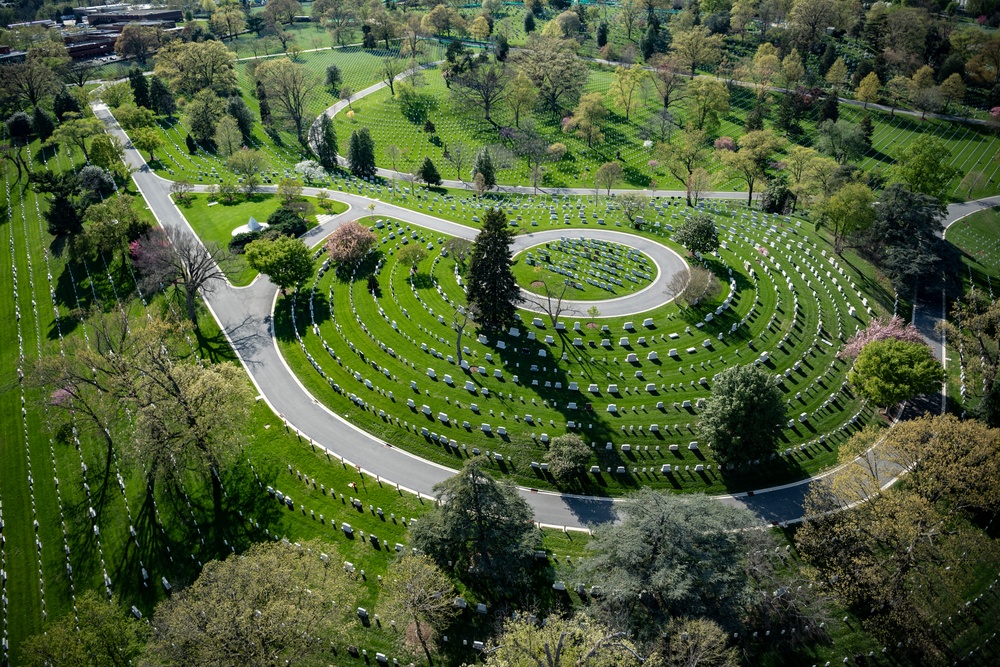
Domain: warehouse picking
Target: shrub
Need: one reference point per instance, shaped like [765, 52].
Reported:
[288, 223]
[239, 242]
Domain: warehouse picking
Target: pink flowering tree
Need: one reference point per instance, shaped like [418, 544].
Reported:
[350, 242]
[725, 144]
[879, 328]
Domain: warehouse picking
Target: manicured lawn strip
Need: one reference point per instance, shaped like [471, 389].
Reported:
[215, 222]
[978, 238]
[423, 308]
[555, 283]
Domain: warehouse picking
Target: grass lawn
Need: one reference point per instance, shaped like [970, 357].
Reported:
[978, 237]
[536, 269]
[408, 316]
[214, 222]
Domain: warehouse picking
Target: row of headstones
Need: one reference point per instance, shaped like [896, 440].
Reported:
[368, 383]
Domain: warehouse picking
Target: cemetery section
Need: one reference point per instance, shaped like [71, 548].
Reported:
[393, 349]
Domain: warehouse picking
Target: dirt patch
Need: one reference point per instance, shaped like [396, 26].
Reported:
[538, 283]
[591, 325]
[412, 642]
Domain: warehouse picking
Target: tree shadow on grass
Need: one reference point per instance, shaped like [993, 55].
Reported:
[283, 327]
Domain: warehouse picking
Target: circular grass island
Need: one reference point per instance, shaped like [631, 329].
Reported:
[589, 269]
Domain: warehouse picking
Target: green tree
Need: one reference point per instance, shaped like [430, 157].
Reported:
[560, 642]
[924, 165]
[698, 234]
[696, 642]
[241, 113]
[286, 261]
[77, 132]
[140, 87]
[952, 90]
[751, 162]
[567, 457]
[203, 112]
[428, 173]
[492, 290]
[483, 165]
[975, 325]
[130, 116]
[277, 602]
[324, 141]
[888, 372]
[483, 528]
[608, 175]
[248, 164]
[587, 117]
[111, 225]
[107, 152]
[696, 46]
[417, 592]
[290, 88]
[869, 89]
[147, 139]
[411, 255]
[361, 154]
[685, 157]
[744, 415]
[334, 79]
[849, 211]
[557, 73]
[670, 555]
[107, 637]
[160, 97]
[228, 138]
[626, 87]
[707, 98]
[190, 67]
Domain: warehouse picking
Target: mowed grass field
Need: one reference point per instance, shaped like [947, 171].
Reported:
[47, 297]
[971, 147]
[372, 349]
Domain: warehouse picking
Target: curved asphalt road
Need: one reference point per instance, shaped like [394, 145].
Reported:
[245, 316]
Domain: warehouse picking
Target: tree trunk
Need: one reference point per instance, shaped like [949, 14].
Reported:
[192, 311]
[423, 642]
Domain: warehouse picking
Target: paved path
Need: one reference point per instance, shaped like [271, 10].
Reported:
[245, 316]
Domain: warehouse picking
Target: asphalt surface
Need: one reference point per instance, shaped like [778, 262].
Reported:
[245, 316]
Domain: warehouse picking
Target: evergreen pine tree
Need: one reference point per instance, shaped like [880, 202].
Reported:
[503, 48]
[428, 173]
[161, 98]
[265, 108]
[42, 124]
[483, 164]
[239, 110]
[361, 154]
[63, 216]
[191, 145]
[649, 41]
[64, 103]
[492, 290]
[602, 35]
[140, 87]
[529, 22]
[830, 109]
[867, 128]
[325, 140]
